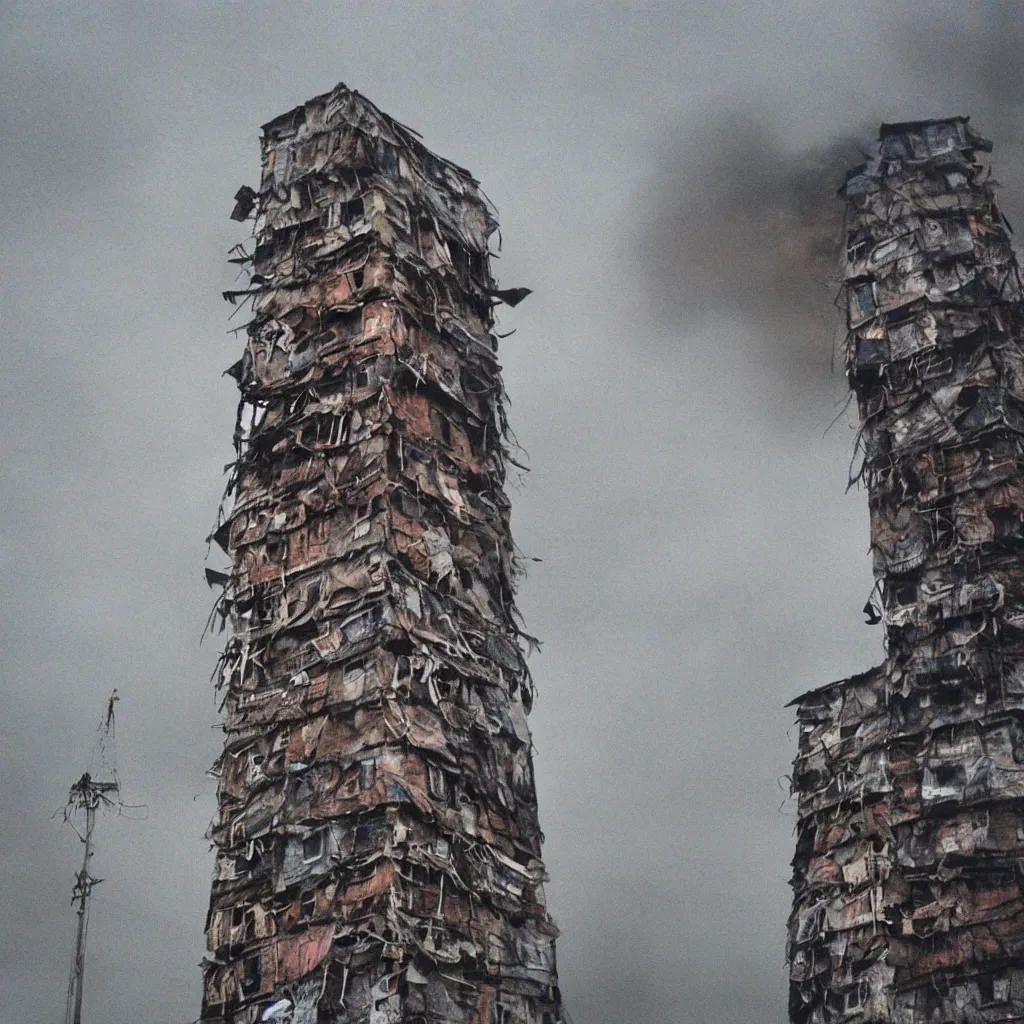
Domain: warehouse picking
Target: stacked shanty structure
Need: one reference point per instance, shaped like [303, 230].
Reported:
[378, 852]
[910, 778]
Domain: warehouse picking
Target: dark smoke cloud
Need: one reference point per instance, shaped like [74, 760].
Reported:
[748, 230]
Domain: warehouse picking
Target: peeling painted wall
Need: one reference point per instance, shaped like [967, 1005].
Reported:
[378, 851]
[910, 777]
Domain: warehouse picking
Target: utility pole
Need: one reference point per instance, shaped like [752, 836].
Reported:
[378, 848]
[86, 795]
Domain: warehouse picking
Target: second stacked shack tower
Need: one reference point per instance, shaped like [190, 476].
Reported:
[379, 856]
[910, 859]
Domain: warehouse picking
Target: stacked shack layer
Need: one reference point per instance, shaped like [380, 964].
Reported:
[910, 777]
[379, 857]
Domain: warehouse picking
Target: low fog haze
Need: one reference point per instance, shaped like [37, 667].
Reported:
[665, 178]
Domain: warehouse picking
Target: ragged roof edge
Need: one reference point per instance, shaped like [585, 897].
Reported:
[854, 679]
[899, 127]
[414, 138]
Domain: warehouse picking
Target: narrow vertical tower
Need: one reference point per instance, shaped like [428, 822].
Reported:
[910, 777]
[378, 852]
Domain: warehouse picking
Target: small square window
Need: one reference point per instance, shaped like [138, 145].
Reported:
[313, 847]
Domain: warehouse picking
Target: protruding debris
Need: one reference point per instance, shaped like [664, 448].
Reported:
[510, 296]
[245, 200]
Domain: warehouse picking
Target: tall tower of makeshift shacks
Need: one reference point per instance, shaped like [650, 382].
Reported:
[378, 852]
[910, 777]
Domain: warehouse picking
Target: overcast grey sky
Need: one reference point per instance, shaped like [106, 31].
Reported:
[663, 174]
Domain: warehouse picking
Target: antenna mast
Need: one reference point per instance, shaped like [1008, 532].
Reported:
[86, 795]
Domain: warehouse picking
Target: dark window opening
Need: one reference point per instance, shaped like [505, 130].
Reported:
[947, 696]
[277, 548]
[304, 631]
[372, 835]
[313, 847]
[355, 668]
[251, 975]
[986, 989]
[969, 397]
[921, 895]
[387, 159]
[352, 210]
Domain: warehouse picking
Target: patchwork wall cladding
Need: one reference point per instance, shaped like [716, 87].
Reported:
[910, 777]
[378, 851]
